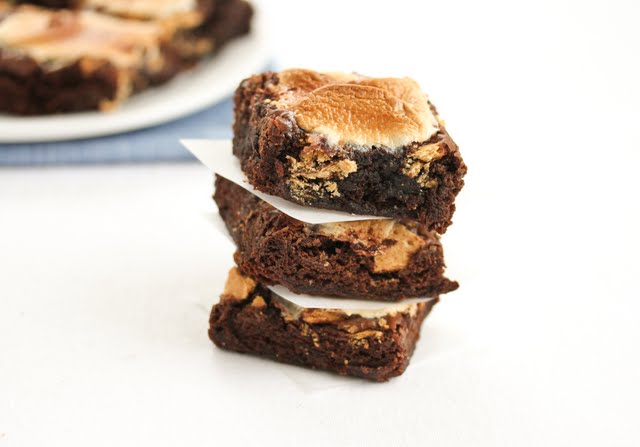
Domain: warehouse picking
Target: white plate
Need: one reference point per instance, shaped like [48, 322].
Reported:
[208, 83]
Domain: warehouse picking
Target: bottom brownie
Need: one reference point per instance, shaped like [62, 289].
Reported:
[374, 345]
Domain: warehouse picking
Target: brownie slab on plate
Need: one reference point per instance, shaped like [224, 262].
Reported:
[346, 142]
[94, 57]
[372, 259]
[374, 345]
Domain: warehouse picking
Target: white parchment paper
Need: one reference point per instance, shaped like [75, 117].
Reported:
[352, 305]
[217, 156]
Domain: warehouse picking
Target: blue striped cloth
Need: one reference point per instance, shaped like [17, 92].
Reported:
[158, 143]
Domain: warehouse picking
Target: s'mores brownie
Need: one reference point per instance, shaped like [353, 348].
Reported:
[379, 259]
[97, 55]
[374, 344]
[372, 146]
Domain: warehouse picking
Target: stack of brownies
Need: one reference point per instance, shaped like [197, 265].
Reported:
[344, 142]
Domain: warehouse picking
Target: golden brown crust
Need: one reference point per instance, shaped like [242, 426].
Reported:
[349, 108]
[238, 286]
[301, 81]
[418, 163]
[394, 243]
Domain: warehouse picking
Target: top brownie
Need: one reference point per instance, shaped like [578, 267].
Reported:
[348, 142]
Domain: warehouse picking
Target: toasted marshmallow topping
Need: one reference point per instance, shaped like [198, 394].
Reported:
[70, 35]
[351, 109]
[144, 8]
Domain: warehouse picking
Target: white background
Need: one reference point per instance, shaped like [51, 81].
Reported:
[107, 274]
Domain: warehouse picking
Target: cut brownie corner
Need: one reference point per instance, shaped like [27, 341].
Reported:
[347, 142]
[374, 345]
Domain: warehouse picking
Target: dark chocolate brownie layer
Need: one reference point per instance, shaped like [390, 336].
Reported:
[418, 180]
[376, 259]
[29, 87]
[251, 319]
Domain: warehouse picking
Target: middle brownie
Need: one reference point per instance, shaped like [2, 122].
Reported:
[381, 259]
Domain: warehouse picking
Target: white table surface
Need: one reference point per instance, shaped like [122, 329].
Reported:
[107, 274]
